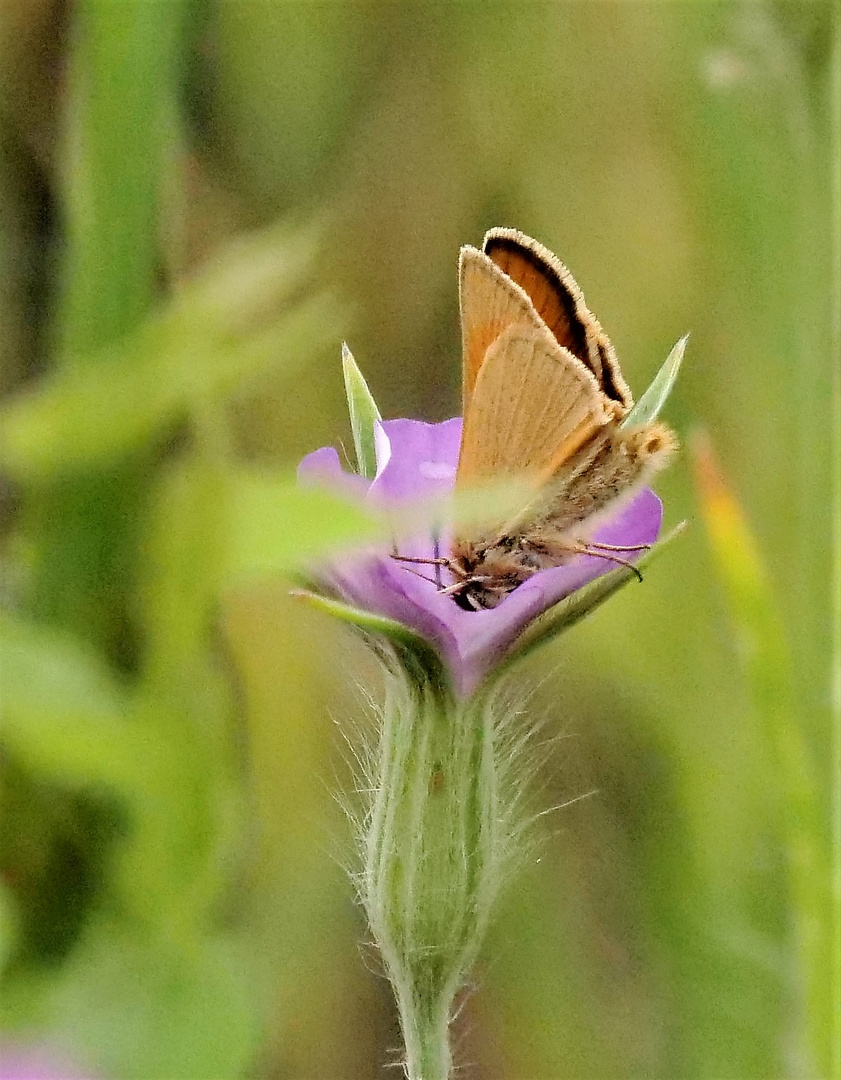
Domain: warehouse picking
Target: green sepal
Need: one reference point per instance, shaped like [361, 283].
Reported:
[575, 607]
[364, 415]
[364, 620]
[413, 652]
[652, 401]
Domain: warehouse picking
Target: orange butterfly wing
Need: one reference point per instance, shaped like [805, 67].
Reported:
[559, 302]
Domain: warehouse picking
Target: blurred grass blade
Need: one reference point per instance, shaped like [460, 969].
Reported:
[122, 77]
[276, 525]
[364, 414]
[237, 319]
[655, 397]
[464, 510]
[123, 73]
[179, 575]
[764, 650]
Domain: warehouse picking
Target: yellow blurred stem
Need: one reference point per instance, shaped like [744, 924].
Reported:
[763, 646]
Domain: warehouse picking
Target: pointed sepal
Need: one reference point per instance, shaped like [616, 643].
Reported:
[648, 408]
[364, 415]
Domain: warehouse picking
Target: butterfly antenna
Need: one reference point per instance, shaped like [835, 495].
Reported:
[619, 547]
[418, 559]
[587, 550]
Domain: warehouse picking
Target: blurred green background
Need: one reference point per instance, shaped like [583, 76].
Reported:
[198, 202]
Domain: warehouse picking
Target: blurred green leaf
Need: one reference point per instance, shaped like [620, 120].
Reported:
[68, 720]
[275, 524]
[237, 319]
[63, 712]
[364, 414]
[655, 397]
[466, 510]
[135, 1006]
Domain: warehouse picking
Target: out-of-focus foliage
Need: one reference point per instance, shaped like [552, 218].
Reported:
[198, 203]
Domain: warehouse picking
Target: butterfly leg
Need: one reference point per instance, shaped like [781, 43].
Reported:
[423, 577]
[460, 586]
[438, 562]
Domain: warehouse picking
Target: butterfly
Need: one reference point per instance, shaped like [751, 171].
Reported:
[544, 400]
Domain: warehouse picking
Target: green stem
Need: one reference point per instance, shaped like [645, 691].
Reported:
[425, 1027]
[436, 844]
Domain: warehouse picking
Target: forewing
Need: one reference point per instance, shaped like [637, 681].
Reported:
[534, 405]
[490, 304]
[559, 302]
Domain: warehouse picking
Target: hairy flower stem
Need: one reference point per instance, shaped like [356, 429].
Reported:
[427, 1040]
[435, 843]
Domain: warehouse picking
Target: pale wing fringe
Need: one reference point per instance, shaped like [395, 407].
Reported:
[560, 303]
[490, 303]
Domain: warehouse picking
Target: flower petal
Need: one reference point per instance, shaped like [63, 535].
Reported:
[421, 460]
[324, 467]
[416, 460]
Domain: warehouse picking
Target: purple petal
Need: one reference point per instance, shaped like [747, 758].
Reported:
[324, 468]
[415, 460]
[638, 522]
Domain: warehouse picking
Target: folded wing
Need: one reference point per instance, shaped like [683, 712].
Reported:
[559, 302]
[533, 406]
[490, 303]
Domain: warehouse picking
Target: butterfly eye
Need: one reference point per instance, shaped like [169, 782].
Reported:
[652, 441]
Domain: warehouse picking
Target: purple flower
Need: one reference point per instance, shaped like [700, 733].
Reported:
[416, 460]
